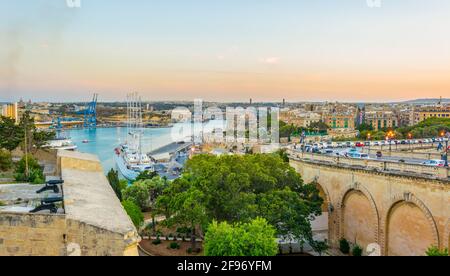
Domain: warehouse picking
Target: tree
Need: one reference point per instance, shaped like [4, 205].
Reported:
[33, 173]
[241, 188]
[188, 210]
[5, 160]
[10, 134]
[116, 184]
[156, 187]
[318, 126]
[134, 213]
[40, 138]
[283, 155]
[137, 193]
[256, 238]
[365, 127]
[434, 251]
[145, 175]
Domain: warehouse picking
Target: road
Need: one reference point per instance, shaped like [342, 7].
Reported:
[415, 161]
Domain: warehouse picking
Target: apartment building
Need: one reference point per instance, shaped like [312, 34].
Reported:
[382, 119]
[10, 110]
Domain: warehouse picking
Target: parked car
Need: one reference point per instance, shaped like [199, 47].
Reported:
[326, 151]
[379, 154]
[359, 144]
[358, 155]
[434, 163]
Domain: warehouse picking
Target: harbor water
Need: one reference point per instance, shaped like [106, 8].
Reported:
[103, 141]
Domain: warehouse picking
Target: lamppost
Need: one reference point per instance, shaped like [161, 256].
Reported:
[410, 136]
[389, 137]
[368, 139]
[445, 135]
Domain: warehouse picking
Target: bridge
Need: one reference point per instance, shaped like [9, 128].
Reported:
[404, 208]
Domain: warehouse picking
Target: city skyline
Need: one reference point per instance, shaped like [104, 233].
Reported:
[225, 51]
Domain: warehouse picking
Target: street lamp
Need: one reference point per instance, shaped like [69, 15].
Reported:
[389, 137]
[410, 136]
[443, 135]
[368, 139]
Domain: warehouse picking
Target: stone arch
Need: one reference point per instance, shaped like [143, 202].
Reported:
[323, 192]
[447, 235]
[408, 200]
[368, 201]
[323, 225]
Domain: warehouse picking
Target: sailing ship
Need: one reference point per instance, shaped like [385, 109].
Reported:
[130, 159]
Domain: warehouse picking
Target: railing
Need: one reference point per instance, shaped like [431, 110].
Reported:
[377, 165]
[405, 154]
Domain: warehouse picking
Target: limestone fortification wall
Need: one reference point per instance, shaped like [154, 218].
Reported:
[403, 213]
[32, 234]
[94, 223]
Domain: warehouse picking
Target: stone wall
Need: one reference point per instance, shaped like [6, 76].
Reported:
[403, 214]
[54, 235]
[95, 241]
[32, 235]
[94, 222]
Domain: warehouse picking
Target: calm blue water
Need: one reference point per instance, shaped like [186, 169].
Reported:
[103, 141]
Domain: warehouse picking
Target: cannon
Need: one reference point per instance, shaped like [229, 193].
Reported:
[48, 204]
[51, 185]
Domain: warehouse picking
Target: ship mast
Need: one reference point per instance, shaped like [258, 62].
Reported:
[134, 122]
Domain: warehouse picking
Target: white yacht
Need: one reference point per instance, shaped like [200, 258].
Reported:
[129, 157]
[61, 144]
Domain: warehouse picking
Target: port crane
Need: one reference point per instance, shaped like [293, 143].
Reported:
[90, 113]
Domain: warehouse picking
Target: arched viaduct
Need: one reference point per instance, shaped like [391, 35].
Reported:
[402, 212]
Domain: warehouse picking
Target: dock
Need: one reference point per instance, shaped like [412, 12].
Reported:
[173, 147]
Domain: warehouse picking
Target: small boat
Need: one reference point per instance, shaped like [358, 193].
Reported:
[85, 141]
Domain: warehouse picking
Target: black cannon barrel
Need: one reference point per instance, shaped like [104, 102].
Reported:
[51, 200]
[55, 182]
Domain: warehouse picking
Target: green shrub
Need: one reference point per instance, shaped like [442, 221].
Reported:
[157, 241]
[134, 212]
[5, 160]
[35, 171]
[189, 250]
[357, 251]
[344, 246]
[435, 252]
[184, 230]
[2, 203]
[174, 245]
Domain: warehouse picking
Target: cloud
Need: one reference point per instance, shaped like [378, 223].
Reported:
[270, 60]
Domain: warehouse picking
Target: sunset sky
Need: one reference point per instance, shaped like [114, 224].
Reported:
[225, 50]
